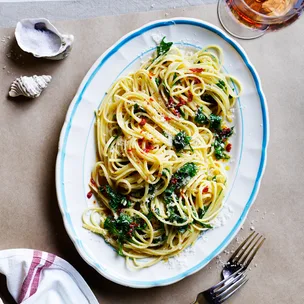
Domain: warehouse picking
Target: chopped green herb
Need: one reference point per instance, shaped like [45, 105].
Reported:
[182, 113]
[215, 122]
[200, 117]
[150, 215]
[138, 109]
[181, 140]
[123, 228]
[202, 211]
[219, 149]
[157, 81]
[165, 134]
[163, 48]
[182, 229]
[164, 173]
[174, 76]
[117, 200]
[226, 132]
[181, 178]
[221, 84]
[167, 92]
[151, 189]
[219, 140]
[115, 137]
[174, 217]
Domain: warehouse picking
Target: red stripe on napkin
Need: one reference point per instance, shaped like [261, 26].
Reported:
[26, 283]
[49, 261]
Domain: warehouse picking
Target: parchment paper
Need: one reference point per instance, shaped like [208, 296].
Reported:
[29, 214]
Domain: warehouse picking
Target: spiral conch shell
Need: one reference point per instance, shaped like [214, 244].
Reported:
[29, 86]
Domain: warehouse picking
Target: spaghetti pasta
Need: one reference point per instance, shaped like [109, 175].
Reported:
[162, 137]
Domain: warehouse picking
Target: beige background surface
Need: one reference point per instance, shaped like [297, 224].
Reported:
[29, 214]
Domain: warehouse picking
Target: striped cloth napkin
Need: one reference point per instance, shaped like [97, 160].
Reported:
[39, 277]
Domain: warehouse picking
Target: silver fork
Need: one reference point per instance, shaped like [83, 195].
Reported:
[244, 254]
[220, 292]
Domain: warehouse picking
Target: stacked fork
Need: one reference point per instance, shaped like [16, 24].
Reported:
[233, 272]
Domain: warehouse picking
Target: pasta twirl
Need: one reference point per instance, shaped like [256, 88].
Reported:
[162, 137]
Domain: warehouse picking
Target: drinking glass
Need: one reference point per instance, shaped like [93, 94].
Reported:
[249, 19]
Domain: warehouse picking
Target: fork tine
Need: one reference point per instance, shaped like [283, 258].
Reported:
[243, 249]
[232, 292]
[245, 254]
[235, 284]
[240, 247]
[256, 248]
[225, 280]
[229, 283]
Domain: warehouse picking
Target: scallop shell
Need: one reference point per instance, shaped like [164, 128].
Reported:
[41, 38]
[29, 86]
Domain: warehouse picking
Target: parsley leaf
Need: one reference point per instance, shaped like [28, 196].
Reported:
[181, 140]
[138, 109]
[181, 112]
[200, 117]
[219, 148]
[163, 48]
[117, 200]
[181, 178]
[122, 229]
[221, 84]
[215, 122]
[167, 92]
[226, 132]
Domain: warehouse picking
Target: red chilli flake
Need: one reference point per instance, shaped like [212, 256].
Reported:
[167, 118]
[149, 147]
[190, 97]
[176, 113]
[225, 131]
[93, 182]
[228, 147]
[170, 102]
[89, 195]
[196, 81]
[173, 180]
[151, 99]
[143, 122]
[181, 103]
[206, 189]
[140, 141]
[197, 70]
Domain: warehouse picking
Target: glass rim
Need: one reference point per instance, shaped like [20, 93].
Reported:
[288, 14]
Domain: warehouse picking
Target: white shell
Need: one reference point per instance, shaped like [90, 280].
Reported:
[29, 86]
[40, 38]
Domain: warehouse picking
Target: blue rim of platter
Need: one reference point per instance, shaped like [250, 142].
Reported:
[67, 127]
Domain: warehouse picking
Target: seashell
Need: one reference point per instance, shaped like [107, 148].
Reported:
[40, 38]
[29, 86]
